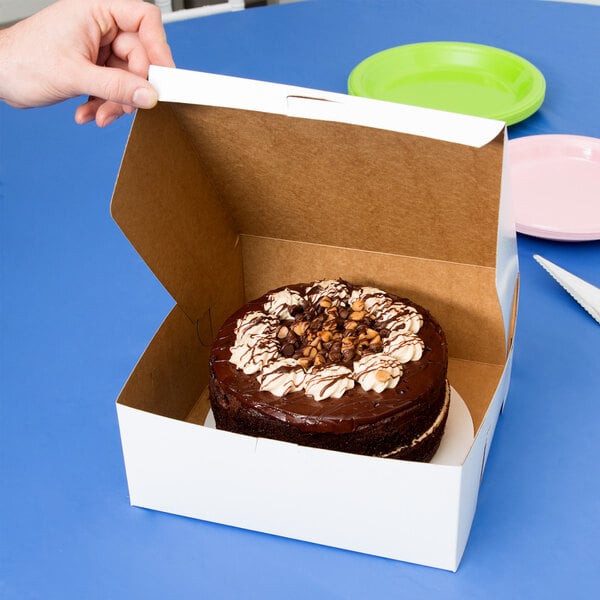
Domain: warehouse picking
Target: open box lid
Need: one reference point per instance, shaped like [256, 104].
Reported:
[222, 157]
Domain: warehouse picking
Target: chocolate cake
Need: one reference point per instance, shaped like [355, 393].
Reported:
[333, 365]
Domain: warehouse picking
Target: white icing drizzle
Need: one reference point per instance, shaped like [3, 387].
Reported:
[282, 377]
[400, 317]
[335, 290]
[403, 346]
[387, 313]
[279, 303]
[255, 346]
[328, 382]
[251, 359]
[377, 372]
[255, 324]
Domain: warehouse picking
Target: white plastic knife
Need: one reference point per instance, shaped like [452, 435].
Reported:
[586, 294]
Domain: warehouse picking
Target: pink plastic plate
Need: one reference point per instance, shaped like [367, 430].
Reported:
[555, 185]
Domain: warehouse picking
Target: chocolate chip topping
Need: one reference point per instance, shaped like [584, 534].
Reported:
[323, 333]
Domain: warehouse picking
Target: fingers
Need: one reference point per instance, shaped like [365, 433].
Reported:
[117, 85]
[116, 92]
[102, 111]
[132, 38]
[129, 54]
[87, 111]
[144, 19]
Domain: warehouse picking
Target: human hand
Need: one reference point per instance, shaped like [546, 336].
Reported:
[98, 48]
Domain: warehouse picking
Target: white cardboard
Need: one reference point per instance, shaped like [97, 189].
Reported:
[290, 490]
[191, 87]
[295, 491]
[507, 261]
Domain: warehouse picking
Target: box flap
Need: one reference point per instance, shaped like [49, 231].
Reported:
[164, 204]
[193, 87]
[331, 176]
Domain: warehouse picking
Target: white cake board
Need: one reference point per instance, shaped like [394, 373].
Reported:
[456, 441]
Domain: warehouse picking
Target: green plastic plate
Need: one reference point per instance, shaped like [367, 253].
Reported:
[457, 77]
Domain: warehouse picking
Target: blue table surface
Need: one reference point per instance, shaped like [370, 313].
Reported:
[79, 306]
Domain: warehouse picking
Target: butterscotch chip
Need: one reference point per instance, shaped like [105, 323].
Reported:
[304, 362]
[320, 360]
[382, 376]
[358, 315]
[358, 305]
[300, 328]
[350, 325]
[317, 342]
[326, 336]
[330, 324]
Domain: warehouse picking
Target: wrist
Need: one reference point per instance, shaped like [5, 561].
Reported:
[8, 81]
[3, 62]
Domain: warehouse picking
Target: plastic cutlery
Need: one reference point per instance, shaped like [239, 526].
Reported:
[586, 294]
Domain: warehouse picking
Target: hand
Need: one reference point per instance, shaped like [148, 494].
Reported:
[98, 48]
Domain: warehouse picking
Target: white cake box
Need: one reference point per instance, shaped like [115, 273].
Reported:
[232, 187]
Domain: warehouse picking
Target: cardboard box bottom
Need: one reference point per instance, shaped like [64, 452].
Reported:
[414, 512]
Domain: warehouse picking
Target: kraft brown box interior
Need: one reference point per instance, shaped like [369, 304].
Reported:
[232, 187]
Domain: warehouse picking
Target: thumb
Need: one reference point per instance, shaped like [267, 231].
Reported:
[118, 85]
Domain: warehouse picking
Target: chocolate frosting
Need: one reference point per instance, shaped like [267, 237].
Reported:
[356, 407]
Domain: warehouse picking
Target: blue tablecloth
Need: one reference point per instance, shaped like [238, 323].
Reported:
[79, 307]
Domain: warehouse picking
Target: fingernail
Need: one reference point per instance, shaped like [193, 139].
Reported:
[144, 98]
[81, 119]
[110, 119]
